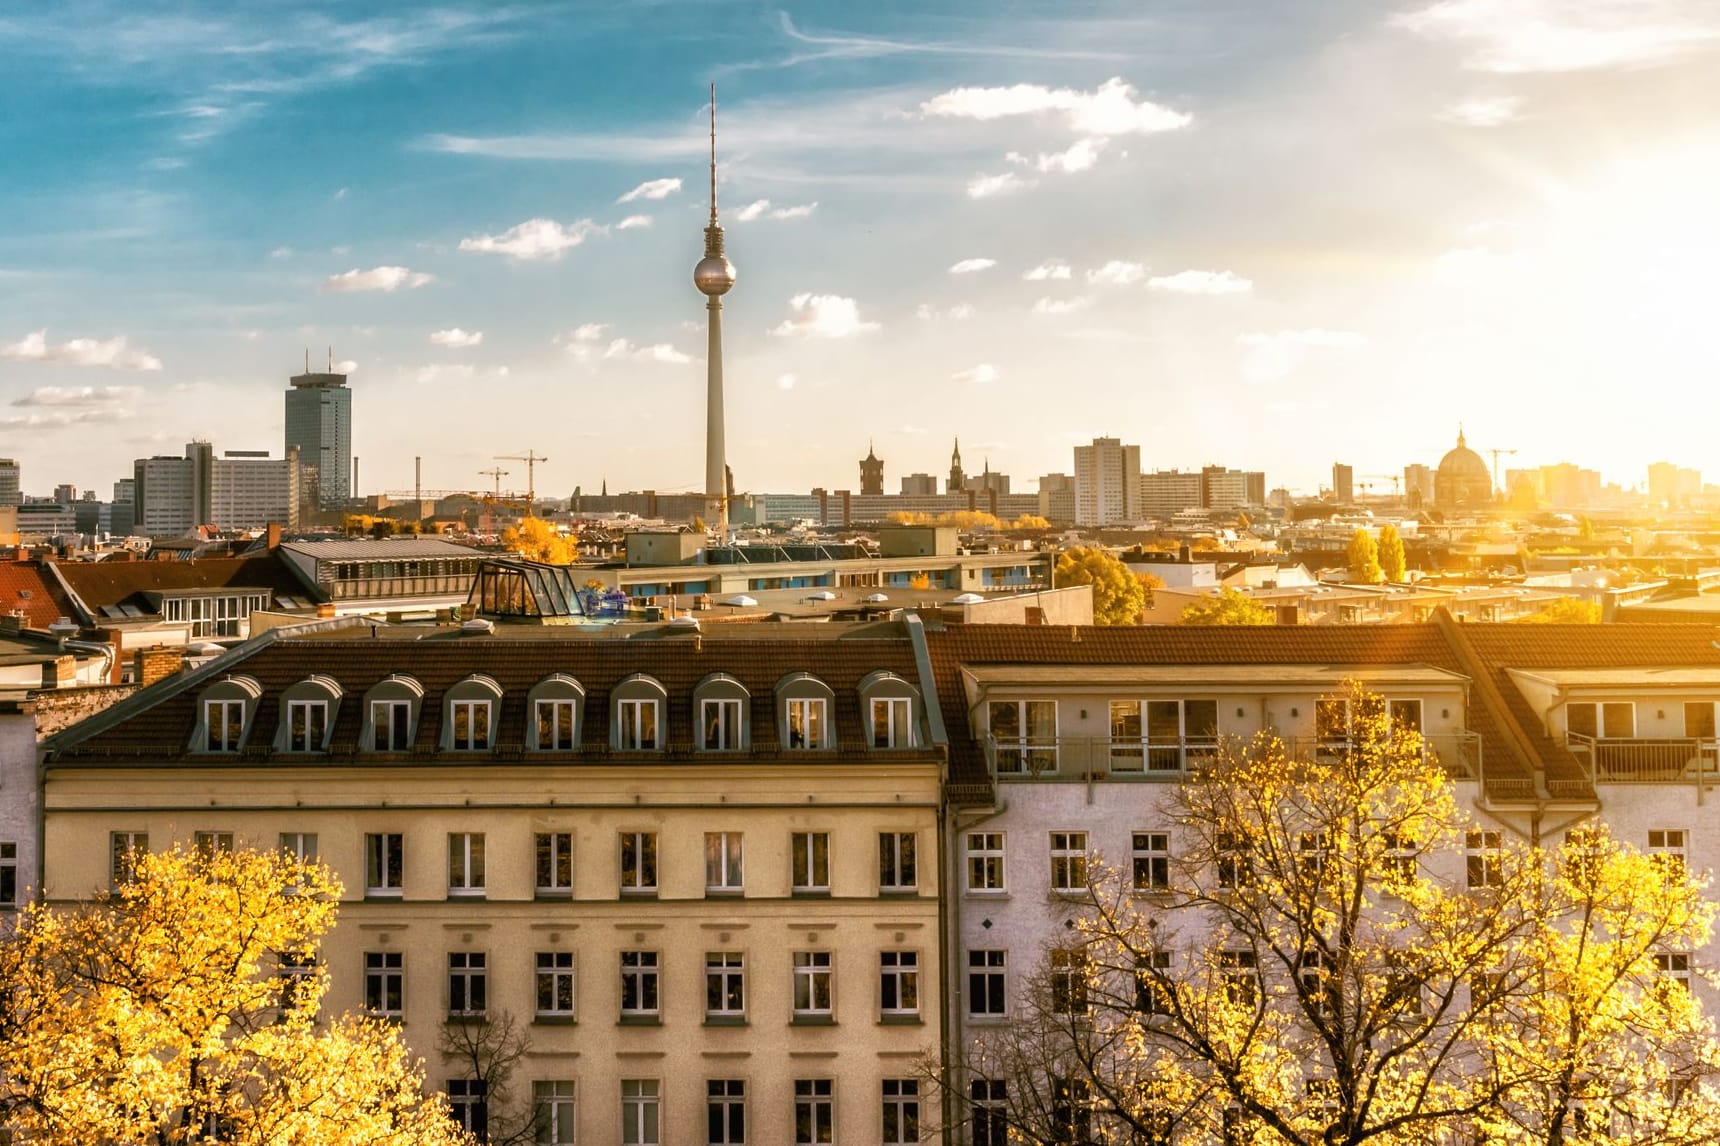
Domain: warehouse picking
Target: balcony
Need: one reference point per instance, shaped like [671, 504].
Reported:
[1083, 759]
[1670, 760]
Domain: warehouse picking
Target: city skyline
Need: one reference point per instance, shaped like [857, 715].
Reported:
[1180, 222]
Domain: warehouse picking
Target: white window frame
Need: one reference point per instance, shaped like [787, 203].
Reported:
[468, 984]
[1673, 967]
[1025, 752]
[383, 730]
[300, 847]
[644, 868]
[641, 973]
[305, 734]
[726, 1107]
[809, 859]
[124, 848]
[471, 724]
[987, 982]
[1601, 718]
[901, 1112]
[1150, 853]
[384, 977]
[898, 865]
[208, 844]
[898, 983]
[816, 1098]
[722, 724]
[552, 859]
[985, 863]
[384, 864]
[1069, 862]
[553, 983]
[641, 1112]
[555, 1110]
[808, 722]
[1670, 847]
[1069, 971]
[725, 868]
[892, 723]
[725, 985]
[226, 716]
[635, 733]
[1483, 855]
[814, 980]
[989, 1100]
[563, 719]
[466, 865]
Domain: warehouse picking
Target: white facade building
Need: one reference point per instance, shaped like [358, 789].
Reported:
[1108, 483]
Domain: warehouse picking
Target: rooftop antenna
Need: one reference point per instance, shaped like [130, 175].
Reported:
[331, 360]
[307, 360]
[713, 153]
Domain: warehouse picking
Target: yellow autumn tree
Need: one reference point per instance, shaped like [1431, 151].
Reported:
[183, 1008]
[1229, 607]
[537, 540]
[1566, 611]
[1118, 595]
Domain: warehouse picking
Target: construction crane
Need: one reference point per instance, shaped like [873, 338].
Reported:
[1395, 479]
[498, 473]
[1496, 454]
[531, 458]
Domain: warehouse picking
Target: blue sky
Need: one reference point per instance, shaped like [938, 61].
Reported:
[1267, 234]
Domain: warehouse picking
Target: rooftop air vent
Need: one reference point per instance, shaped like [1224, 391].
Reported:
[477, 627]
[684, 623]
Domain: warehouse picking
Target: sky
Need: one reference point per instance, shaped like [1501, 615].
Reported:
[1269, 234]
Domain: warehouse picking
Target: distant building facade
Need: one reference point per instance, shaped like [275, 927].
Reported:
[246, 489]
[1343, 483]
[1107, 482]
[11, 489]
[319, 426]
[1462, 481]
[871, 472]
[919, 485]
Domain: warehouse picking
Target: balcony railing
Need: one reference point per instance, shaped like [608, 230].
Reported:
[1082, 759]
[1668, 760]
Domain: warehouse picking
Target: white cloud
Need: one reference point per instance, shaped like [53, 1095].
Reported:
[1048, 270]
[457, 339]
[1062, 305]
[376, 278]
[1201, 282]
[786, 381]
[798, 211]
[656, 352]
[533, 239]
[1274, 356]
[1110, 109]
[984, 372]
[752, 210]
[1520, 36]
[455, 372]
[988, 186]
[632, 222]
[112, 352]
[1483, 112]
[969, 266]
[761, 209]
[652, 189]
[341, 194]
[1117, 272]
[961, 310]
[1079, 156]
[84, 396]
[958, 312]
[281, 253]
[589, 331]
[823, 316]
[348, 366]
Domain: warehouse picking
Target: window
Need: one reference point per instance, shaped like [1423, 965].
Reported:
[723, 862]
[720, 725]
[1319, 988]
[208, 845]
[471, 724]
[124, 849]
[1069, 967]
[1673, 967]
[986, 982]
[384, 983]
[814, 1111]
[1332, 725]
[899, 982]
[1405, 714]
[810, 859]
[555, 864]
[901, 1111]
[1068, 861]
[1313, 854]
[1582, 855]
[725, 1112]
[1483, 852]
[1152, 860]
[307, 725]
[555, 984]
[1234, 869]
[637, 725]
[638, 984]
[985, 861]
[390, 725]
[1399, 863]
[1151, 994]
[468, 1102]
[1402, 985]
[554, 724]
[225, 720]
[295, 973]
[466, 863]
[1071, 1112]
[8, 874]
[812, 976]
[638, 863]
[896, 862]
[990, 1104]
[300, 847]
[808, 721]
[1024, 735]
[468, 983]
[1699, 720]
[639, 1112]
[384, 863]
[1162, 735]
[1611, 720]
[892, 725]
[725, 985]
[553, 1112]
[1241, 974]
[1669, 847]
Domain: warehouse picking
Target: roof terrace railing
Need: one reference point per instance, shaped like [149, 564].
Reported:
[1084, 759]
[1656, 760]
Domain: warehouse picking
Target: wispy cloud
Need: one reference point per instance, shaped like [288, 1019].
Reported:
[657, 352]
[761, 209]
[1201, 282]
[456, 339]
[1525, 36]
[115, 353]
[632, 222]
[80, 396]
[455, 372]
[1273, 356]
[1052, 269]
[1077, 157]
[376, 279]
[533, 239]
[984, 372]
[958, 312]
[988, 186]
[1117, 272]
[786, 381]
[652, 189]
[831, 45]
[823, 316]
[1110, 109]
[1055, 306]
[970, 266]
[1490, 112]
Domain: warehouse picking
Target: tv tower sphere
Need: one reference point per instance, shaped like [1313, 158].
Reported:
[714, 275]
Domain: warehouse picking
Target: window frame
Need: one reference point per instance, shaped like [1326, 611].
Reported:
[898, 983]
[1027, 751]
[816, 857]
[725, 1111]
[466, 865]
[898, 866]
[393, 691]
[798, 713]
[1070, 862]
[1068, 972]
[725, 987]
[814, 977]
[555, 981]
[9, 883]
[560, 696]
[901, 1112]
[814, 1111]
[987, 861]
[384, 865]
[641, 977]
[725, 863]
[1150, 862]
[557, 849]
[1670, 847]
[884, 692]
[124, 848]
[469, 1105]
[313, 736]
[987, 982]
[555, 1111]
[630, 701]
[643, 867]
[468, 984]
[232, 737]
[384, 979]
[1484, 858]
[641, 1112]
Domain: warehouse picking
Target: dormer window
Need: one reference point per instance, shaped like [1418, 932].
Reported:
[391, 710]
[638, 715]
[555, 704]
[892, 708]
[225, 713]
[721, 703]
[307, 715]
[804, 706]
[473, 705]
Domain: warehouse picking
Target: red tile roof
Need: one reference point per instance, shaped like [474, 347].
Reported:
[25, 588]
[100, 583]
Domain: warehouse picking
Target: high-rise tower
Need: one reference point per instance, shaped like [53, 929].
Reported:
[714, 276]
[871, 473]
[958, 479]
[319, 423]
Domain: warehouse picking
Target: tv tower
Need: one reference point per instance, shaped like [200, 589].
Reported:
[714, 276]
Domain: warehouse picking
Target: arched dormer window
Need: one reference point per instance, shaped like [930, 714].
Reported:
[636, 715]
[469, 722]
[556, 704]
[805, 707]
[891, 709]
[720, 704]
[225, 713]
[391, 710]
[307, 714]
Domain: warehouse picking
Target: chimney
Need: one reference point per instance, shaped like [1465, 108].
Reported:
[158, 663]
[59, 672]
[325, 610]
[272, 536]
[12, 623]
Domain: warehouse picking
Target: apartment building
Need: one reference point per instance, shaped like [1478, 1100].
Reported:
[1107, 482]
[698, 870]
